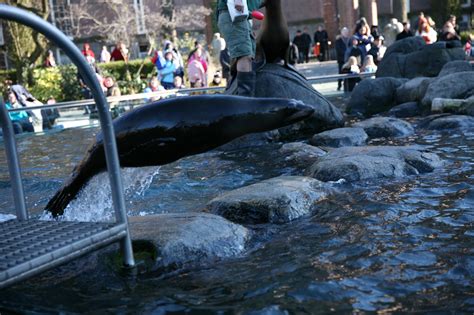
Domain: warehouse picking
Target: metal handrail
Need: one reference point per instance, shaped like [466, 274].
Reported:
[174, 92]
[110, 147]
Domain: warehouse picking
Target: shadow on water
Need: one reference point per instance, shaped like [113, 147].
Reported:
[389, 246]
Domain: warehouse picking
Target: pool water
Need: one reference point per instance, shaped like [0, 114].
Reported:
[388, 245]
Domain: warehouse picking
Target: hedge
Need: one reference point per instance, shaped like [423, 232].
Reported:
[62, 82]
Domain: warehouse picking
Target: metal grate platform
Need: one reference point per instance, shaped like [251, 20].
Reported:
[29, 247]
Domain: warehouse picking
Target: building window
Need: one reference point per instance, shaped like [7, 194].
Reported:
[465, 3]
[140, 16]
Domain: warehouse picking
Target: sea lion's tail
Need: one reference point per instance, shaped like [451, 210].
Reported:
[87, 168]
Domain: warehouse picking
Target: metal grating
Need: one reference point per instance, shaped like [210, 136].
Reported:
[31, 246]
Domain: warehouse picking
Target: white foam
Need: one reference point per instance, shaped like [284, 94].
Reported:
[94, 201]
[6, 217]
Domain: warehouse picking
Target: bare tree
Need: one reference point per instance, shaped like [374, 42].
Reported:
[24, 45]
[117, 20]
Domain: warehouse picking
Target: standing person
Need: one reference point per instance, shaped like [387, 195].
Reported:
[167, 73]
[196, 73]
[120, 52]
[177, 59]
[224, 59]
[218, 44]
[88, 53]
[406, 31]
[50, 62]
[298, 41]
[293, 54]
[241, 42]
[105, 55]
[354, 51]
[306, 44]
[321, 37]
[449, 30]
[342, 45]
[112, 89]
[364, 39]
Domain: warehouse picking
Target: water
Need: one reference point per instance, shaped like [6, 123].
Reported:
[389, 246]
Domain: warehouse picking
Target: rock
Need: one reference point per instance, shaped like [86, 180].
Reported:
[365, 163]
[372, 96]
[410, 109]
[410, 58]
[458, 85]
[379, 127]
[189, 237]
[413, 90]
[277, 200]
[447, 122]
[300, 154]
[450, 105]
[454, 67]
[341, 137]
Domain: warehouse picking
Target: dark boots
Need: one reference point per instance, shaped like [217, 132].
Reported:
[246, 83]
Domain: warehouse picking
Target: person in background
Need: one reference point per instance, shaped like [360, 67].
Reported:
[217, 79]
[426, 32]
[369, 65]
[153, 86]
[306, 44]
[26, 99]
[112, 89]
[168, 71]
[178, 83]
[364, 39]
[196, 72]
[298, 41]
[50, 60]
[88, 53]
[105, 55]
[377, 50]
[449, 32]
[198, 55]
[406, 31]
[218, 44]
[342, 45]
[351, 67]
[293, 54]
[120, 52]
[374, 31]
[354, 51]
[391, 30]
[20, 120]
[177, 59]
[321, 37]
[225, 64]
[49, 114]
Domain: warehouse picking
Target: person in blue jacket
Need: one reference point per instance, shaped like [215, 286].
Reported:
[21, 120]
[167, 72]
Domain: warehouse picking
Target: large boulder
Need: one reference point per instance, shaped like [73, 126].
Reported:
[454, 67]
[411, 58]
[448, 122]
[277, 200]
[458, 85]
[366, 163]
[372, 96]
[274, 80]
[405, 110]
[340, 137]
[379, 127]
[413, 90]
[189, 238]
[299, 154]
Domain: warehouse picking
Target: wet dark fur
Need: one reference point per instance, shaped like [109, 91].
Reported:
[165, 131]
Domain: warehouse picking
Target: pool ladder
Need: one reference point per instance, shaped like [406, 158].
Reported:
[29, 246]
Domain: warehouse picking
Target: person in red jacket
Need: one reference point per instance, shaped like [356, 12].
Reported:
[119, 53]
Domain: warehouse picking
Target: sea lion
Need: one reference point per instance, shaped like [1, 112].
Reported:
[165, 131]
[274, 37]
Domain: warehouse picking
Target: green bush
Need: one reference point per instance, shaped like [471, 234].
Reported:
[465, 36]
[62, 82]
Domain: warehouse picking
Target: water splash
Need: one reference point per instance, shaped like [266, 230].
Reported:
[94, 201]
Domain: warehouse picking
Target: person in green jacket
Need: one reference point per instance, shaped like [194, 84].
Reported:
[240, 42]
